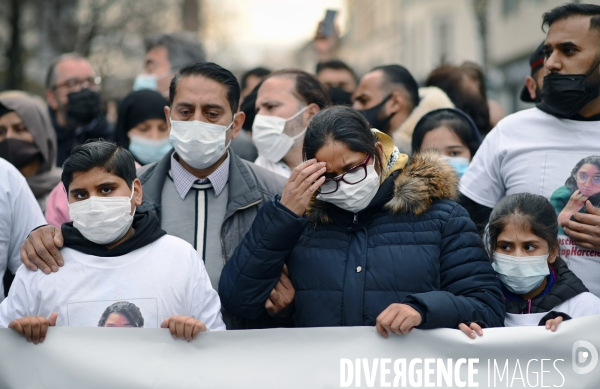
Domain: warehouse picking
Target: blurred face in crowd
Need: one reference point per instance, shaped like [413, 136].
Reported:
[276, 98]
[372, 91]
[337, 78]
[446, 142]
[72, 75]
[369, 92]
[157, 63]
[151, 129]
[251, 82]
[572, 47]
[13, 127]
[203, 99]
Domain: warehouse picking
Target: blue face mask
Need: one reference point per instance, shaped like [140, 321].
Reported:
[148, 150]
[459, 164]
[145, 81]
[521, 275]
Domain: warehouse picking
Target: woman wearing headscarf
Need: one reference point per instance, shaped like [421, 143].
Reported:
[28, 141]
[141, 128]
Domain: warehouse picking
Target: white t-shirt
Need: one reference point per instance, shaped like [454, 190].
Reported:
[280, 167]
[584, 304]
[19, 214]
[162, 279]
[532, 151]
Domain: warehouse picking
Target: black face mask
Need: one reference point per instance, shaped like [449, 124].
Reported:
[372, 116]
[564, 95]
[83, 107]
[339, 96]
[18, 152]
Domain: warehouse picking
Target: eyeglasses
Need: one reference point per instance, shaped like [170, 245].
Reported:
[582, 178]
[353, 176]
[74, 83]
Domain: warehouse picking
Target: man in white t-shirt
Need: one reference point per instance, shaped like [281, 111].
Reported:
[551, 149]
[121, 269]
[19, 214]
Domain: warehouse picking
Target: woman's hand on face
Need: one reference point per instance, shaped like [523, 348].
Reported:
[399, 319]
[471, 331]
[302, 184]
[552, 324]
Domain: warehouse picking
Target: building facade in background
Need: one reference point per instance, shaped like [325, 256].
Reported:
[421, 34]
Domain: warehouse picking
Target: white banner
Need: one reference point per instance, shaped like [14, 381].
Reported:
[353, 357]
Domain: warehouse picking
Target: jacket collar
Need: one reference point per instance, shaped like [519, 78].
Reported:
[243, 189]
[411, 190]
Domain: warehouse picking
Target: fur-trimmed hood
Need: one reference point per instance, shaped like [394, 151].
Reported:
[431, 98]
[426, 178]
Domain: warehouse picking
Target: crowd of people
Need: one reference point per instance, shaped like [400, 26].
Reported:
[291, 199]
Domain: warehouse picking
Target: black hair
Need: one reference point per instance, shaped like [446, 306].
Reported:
[307, 89]
[568, 10]
[571, 182]
[125, 308]
[99, 153]
[454, 81]
[335, 64]
[457, 121]
[248, 107]
[259, 72]
[532, 210]
[400, 76]
[214, 72]
[340, 124]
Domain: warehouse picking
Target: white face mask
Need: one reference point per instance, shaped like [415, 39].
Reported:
[200, 144]
[268, 136]
[521, 275]
[356, 197]
[103, 220]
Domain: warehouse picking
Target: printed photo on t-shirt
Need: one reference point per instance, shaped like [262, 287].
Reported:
[138, 312]
[569, 180]
[582, 184]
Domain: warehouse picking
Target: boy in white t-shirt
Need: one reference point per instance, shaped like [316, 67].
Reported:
[121, 269]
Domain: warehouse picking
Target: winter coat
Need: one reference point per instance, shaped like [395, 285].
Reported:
[411, 245]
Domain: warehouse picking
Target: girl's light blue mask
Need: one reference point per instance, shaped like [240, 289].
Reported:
[148, 150]
[521, 275]
[459, 164]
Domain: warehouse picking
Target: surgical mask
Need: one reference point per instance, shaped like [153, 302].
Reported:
[521, 275]
[19, 152]
[354, 197]
[148, 150]
[200, 144]
[148, 81]
[268, 136]
[564, 95]
[459, 164]
[145, 81]
[103, 220]
[83, 107]
[372, 116]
